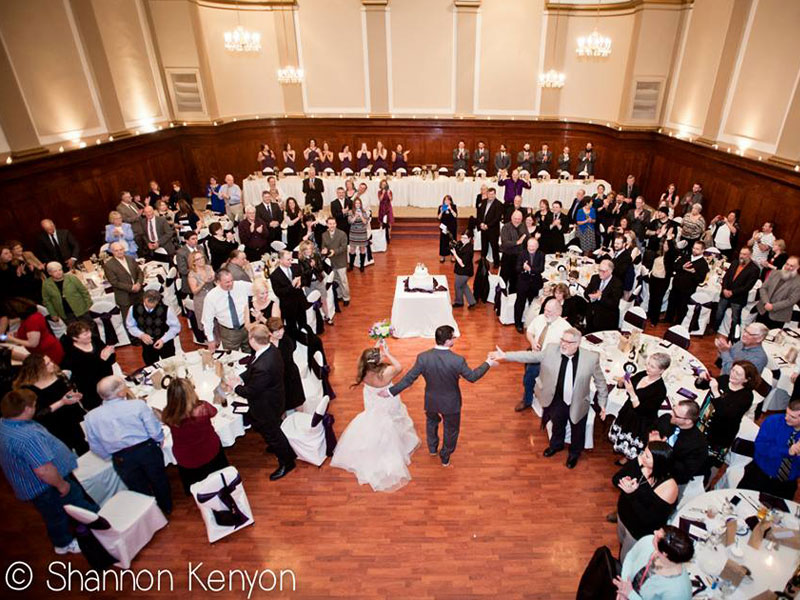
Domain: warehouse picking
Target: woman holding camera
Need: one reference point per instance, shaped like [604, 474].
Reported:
[448, 216]
[463, 252]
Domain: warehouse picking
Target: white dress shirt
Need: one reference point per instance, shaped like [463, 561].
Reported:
[216, 307]
[569, 380]
[172, 322]
[553, 335]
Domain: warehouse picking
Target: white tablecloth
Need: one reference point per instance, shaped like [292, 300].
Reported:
[679, 375]
[227, 424]
[777, 345]
[770, 569]
[418, 314]
[428, 193]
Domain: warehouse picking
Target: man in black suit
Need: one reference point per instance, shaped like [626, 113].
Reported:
[57, 245]
[271, 213]
[604, 293]
[340, 210]
[153, 232]
[441, 369]
[544, 159]
[688, 275]
[285, 280]
[577, 202]
[489, 215]
[630, 189]
[262, 386]
[530, 265]
[689, 445]
[737, 282]
[621, 257]
[313, 188]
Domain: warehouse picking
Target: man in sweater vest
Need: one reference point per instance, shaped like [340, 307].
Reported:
[156, 325]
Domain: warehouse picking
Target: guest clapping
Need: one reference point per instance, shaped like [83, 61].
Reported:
[530, 266]
[89, 360]
[117, 231]
[261, 306]
[156, 326]
[312, 275]
[731, 397]
[254, 234]
[220, 243]
[195, 444]
[292, 382]
[464, 268]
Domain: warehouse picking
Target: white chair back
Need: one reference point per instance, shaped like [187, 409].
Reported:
[634, 319]
[223, 503]
[81, 515]
[108, 318]
[678, 335]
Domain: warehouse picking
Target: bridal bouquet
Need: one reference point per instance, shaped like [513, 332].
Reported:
[381, 330]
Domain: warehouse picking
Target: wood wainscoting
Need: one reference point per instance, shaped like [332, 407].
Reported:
[77, 189]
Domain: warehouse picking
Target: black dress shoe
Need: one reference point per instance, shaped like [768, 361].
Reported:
[572, 461]
[548, 452]
[471, 306]
[520, 329]
[457, 305]
[281, 471]
[611, 517]
[346, 302]
[520, 407]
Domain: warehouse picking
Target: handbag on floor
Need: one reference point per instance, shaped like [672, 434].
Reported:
[597, 581]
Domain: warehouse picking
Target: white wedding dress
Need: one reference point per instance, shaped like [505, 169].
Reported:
[378, 443]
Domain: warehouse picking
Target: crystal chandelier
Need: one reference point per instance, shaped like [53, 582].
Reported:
[552, 79]
[289, 74]
[594, 45]
[241, 40]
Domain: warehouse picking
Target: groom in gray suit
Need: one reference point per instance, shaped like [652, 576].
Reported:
[441, 369]
[562, 389]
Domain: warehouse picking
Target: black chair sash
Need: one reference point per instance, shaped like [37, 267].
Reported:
[635, 320]
[111, 338]
[694, 324]
[498, 297]
[674, 338]
[233, 517]
[330, 435]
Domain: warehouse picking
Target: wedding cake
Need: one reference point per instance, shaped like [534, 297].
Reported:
[421, 279]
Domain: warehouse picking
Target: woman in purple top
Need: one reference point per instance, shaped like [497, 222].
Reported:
[363, 157]
[346, 158]
[399, 158]
[513, 186]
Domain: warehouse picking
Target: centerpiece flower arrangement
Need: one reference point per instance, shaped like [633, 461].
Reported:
[381, 330]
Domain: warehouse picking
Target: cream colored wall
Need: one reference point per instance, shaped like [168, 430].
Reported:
[40, 40]
[594, 87]
[509, 51]
[173, 27]
[699, 61]
[3, 143]
[244, 83]
[332, 52]
[767, 77]
[126, 49]
[421, 56]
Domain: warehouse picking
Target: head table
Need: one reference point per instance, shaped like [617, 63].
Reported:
[428, 193]
[771, 565]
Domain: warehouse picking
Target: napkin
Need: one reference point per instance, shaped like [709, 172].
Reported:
[773, 502]
[733, 572]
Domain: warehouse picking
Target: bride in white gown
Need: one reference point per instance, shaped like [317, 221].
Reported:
[378, 443]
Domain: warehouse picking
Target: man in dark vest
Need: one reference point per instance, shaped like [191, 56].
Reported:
[156, 326]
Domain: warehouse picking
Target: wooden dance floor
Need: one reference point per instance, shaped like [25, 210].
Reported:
[502, 522]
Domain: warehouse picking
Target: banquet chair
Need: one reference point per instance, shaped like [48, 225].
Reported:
[693, 489]
[564, 175]
[416, 171]
[480, 173]
[108, 318]
[288, 171]
[584, 174]
[98, 477]
[347, 171]
[524, 174]
[634, 319]
[701, 308]
[678, 335]
[364, 172]
[57, 328]
[268, 171]
[503, 302]
[740, 455]
[380, 172]
[329, 171]
[400, 172]
[223, 503]
[378, 237]
[313, 313]
[461, 173]
[544, 175]
[794, 321]
[443, 171]
[198, 335]
[762, 393]
[307, 434]
[124, 525]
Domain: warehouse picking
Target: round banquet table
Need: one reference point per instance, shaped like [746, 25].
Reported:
[777, 345]
[428, 193]
[679, 375]
[228, 424]
[770, 568]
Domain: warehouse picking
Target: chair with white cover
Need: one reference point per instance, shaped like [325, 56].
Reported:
[678, 335]
[564, 174]
[584, 174]
[124, 525]
[416, 171]
[400, 172]
[378, 237]
[480, 173]
[313, 315]
[97, 476]
[543, 174]
[307, 434]
[329, 171]
[380, 172]
[108, 317]
[443, 171]
[288, 171]
[347, 171]
[223, 503]
[461, 173]
[693, 489]
[701, 308]
[634, 319]
[740, 455]
[504, 303]
[268, 171]
[364, 172]
[198, 335]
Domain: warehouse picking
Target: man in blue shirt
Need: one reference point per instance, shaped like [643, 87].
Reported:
[776, 463]
[39, 468]
[128, 431]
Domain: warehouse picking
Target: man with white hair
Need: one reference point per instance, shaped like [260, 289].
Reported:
[64, 296]
[231, 193]
[604, 293]
[125, 277]
[750, 347]
[126, 430]
[511, 241]
[546, 328]
[313, 188]
[563, 390]
[778, 295]
[254, 234]
[761, 243]
[57, 245]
